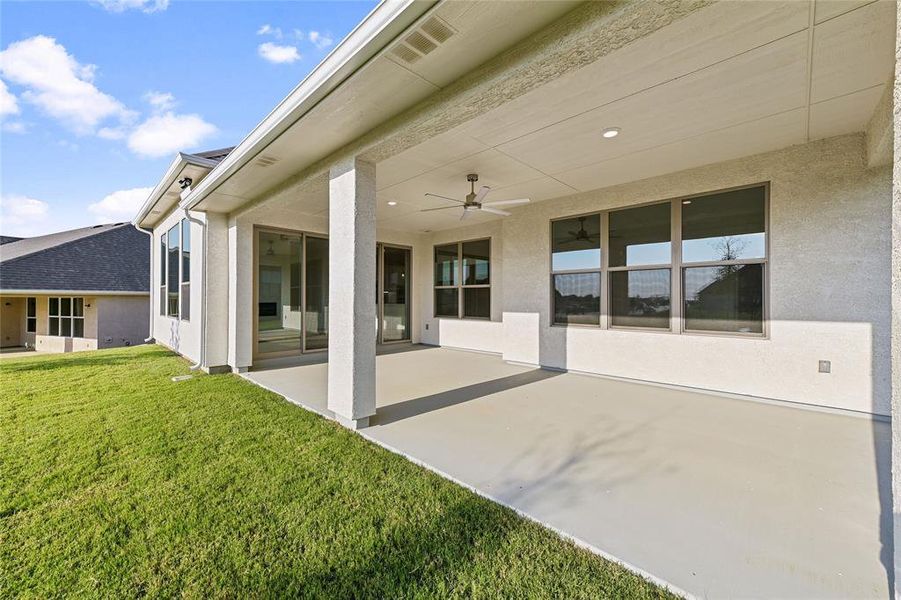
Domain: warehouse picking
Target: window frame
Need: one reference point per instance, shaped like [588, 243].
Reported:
[184, 286]
[71, 317]
[461, 286]
[676, 267]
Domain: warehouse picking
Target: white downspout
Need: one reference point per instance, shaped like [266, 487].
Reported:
[149, 339]
[203, 298]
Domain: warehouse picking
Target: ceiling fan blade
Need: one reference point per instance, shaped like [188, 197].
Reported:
[495, 211]
[444, 197]
[507, 202]
[440, 208]
[483, 191]
[465, 214]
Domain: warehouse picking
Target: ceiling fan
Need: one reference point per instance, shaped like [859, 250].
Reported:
[473, 202]
[582, 234]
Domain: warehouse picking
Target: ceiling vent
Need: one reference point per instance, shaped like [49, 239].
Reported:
[423, 40]
[266, 161]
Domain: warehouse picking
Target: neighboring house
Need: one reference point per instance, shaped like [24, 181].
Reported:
[711, 191]
[75, 290]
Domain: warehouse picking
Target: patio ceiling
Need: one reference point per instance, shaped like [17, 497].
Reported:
[732, 80]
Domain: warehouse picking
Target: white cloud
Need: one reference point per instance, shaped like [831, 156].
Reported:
[268, 29]
[14, 127]
[8, 103]
[119, 206]
[320, 40]
[147, 6]
[277, 54]
[22, 216]
[168, 133]
[59, 84]
[161, 101]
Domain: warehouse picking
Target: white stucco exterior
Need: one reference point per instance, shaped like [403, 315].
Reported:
[829, 281]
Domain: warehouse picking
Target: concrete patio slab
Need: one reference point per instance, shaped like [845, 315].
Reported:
[719, 497]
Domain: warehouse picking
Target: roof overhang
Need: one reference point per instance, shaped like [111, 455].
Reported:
[167, 192]
[71, 293]
[371, 36]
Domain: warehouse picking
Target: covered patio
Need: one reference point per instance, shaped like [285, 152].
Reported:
[717, 497]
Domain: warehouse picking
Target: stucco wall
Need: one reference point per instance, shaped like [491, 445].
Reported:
[12, 322]
[122, 320]
[829, 285]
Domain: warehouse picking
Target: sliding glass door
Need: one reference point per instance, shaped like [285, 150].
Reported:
[394, 293]
[292, 282]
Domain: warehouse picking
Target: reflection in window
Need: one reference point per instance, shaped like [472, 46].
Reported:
[724, 298]
[725, 226]
[577, 298]
[446, 267]
[640, 236]
[576, 243]
[172, 271]
[279, 320]
[471, 296]
[316, 312]
[476, 256]
[640, 298]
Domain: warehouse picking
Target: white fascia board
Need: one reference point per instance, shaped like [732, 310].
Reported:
[69, 293]
[178, 163]
[372, 35]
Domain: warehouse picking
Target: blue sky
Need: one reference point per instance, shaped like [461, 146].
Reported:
[97, 96]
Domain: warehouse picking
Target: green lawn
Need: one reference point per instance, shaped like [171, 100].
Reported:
[116, 481]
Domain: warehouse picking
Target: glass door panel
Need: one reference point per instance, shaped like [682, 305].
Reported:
[278, 293]
[316, 294]
[395, 309]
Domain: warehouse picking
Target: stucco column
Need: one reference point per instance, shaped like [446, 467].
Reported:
[896, 309]
[215, 293]
[240, 295]
[351, 353]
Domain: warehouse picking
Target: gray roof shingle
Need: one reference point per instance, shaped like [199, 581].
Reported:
[113, 258]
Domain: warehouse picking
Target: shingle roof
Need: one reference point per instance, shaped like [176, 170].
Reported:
[114, 258]
[217, 155]
[5, 239]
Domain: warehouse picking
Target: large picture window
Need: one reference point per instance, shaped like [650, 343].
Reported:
[66, 316]
[463, 280]
[576, 270]
[693, 264]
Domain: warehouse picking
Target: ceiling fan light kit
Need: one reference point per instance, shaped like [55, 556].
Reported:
[474, 200]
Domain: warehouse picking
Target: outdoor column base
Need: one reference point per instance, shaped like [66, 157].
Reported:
[354, 424]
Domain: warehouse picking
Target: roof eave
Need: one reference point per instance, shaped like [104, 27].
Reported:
[378, 29]
[180, 161]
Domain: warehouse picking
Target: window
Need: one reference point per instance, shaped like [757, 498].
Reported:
[66, 316]
[172, 263]
[463, 280]
[702, 259]
[175, 271]
[639, 295]
[576, 270]
[31, 315]
[163, 302]
[724, 239]
[185, 291]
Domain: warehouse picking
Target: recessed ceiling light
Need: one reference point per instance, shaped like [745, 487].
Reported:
[392, 203]
[686, 202]
[610, 132]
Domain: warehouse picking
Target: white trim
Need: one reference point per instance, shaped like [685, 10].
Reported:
[69, 293]
[378, 29]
